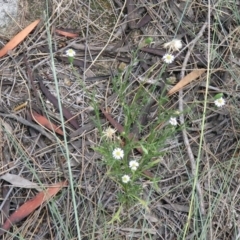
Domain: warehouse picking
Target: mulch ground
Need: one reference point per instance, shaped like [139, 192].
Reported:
[109, 32]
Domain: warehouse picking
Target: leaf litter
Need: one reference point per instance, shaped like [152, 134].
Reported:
[18, 181]
[92, 25]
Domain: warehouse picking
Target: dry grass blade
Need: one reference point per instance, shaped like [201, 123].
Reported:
[6, 205]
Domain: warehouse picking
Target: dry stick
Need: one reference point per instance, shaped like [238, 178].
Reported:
[109, 48]
[184, 132]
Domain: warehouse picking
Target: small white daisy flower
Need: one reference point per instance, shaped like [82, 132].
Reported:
[168, 58]
[133, 165]
[219, 102]
[173, 121]
[70, 53]
[125, 179]
[118, 153]
[109, 133]
[174, 45]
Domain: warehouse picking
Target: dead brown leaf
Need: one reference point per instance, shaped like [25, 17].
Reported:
[186, 80]
[41, 120]
[18, 181]
[31, 205]
[18, 38]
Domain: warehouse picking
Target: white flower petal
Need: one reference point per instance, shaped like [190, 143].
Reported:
[173, 121]
[133, 165]
[168, 58]
[219, 102]
[70, 53]
[118, 153]
[125, 179]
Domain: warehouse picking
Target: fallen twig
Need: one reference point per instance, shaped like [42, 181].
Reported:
[109, 48]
